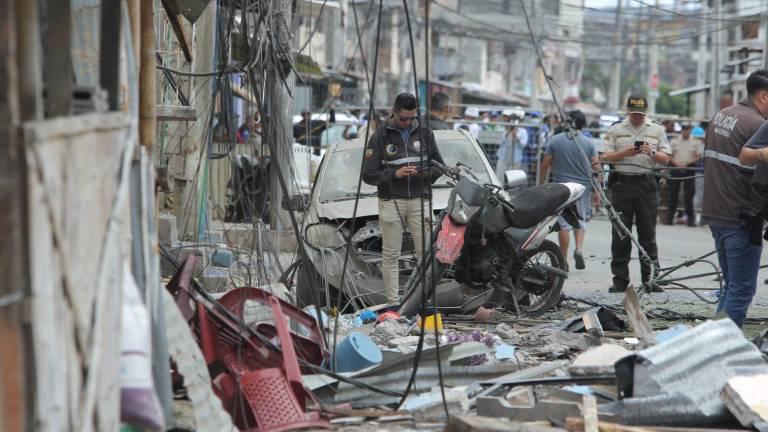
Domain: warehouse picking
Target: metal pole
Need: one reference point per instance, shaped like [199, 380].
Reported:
[765, 40]
[714, 92]
[653, 67]
[701, 65]
[614, 96]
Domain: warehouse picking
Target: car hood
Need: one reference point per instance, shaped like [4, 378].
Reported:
[369, 206]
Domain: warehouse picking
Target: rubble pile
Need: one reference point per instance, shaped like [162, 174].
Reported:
[487, 371]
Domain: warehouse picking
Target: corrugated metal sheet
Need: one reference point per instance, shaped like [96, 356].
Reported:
[679, 382]
[426, 379]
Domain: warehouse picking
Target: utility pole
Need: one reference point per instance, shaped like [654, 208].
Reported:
[765, 40]
[280, 112]
[653, 66]
[701, 64]
[614, 96]
[186, 178]
[714, 92]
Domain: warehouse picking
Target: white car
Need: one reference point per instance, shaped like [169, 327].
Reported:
[327, 226]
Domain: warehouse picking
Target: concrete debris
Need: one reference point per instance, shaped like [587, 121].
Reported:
[747, 399]
[429, 406]
[598, 360]
[544, 410]
[488, 424]
[167, 230]
[521, 396]
[388, 330]
[215, 279]
[222, 257]
[507, 333]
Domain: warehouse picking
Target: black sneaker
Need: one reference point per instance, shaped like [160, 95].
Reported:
[616, 289]
[579, 260]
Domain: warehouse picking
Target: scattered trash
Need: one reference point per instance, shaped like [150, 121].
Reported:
[505, 352]
[431, 321]
[312, 311]
[356, 352]
[598, 360]
[367, 316]
[747, 399]
[678, 382]
[389, 315]
[507, 333]
[484, 314]
[632, 340]
[665, 335]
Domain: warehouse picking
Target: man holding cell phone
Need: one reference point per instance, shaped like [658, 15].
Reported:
[635, 146]
[396, 162]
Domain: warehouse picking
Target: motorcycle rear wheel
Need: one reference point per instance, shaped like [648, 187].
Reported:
[548, 253]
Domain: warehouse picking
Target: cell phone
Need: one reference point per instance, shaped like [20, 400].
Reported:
[638, 144]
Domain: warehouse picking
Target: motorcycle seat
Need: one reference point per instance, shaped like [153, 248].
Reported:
[534, 204]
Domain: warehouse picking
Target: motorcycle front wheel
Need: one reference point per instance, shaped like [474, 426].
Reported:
[541, 289]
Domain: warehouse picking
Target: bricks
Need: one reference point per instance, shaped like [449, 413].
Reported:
[167, 231]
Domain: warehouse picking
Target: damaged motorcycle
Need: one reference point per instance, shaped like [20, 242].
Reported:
[496, 246]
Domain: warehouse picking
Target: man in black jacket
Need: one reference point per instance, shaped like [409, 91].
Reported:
[396, 162]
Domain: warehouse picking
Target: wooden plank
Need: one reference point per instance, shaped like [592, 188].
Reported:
[109, 50]
[77, 242]
[176, 113]
[179, 30]
[589, 410]
[28, 52]
[637, 319]
[14, 397]
[58, 62]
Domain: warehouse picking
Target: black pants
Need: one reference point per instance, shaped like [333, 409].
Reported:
[689, 189]
[636, 199]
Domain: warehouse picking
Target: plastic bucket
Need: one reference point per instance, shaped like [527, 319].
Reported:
[357, 351]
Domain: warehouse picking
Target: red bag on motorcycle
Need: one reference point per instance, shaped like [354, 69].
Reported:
[449, 242]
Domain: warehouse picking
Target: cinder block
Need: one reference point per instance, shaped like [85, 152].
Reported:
[215, 279]
[167, 231]
[180, 251]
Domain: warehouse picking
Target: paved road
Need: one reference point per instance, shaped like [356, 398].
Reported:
[676, 244]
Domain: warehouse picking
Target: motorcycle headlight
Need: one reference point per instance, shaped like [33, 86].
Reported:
[461, 212]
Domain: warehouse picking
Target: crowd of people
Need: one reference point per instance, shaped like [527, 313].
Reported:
[640, 153]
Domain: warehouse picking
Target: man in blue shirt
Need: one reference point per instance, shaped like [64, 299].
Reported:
[572, 160]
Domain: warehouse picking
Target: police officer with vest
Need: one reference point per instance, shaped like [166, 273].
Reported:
[728, 170]
[396, 163]
[635, 146]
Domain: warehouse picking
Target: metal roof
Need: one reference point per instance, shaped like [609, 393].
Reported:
[679, 382]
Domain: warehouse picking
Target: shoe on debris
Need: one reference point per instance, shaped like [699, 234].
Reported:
[579, 260]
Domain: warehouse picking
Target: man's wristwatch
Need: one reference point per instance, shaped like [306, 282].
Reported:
[653, 153]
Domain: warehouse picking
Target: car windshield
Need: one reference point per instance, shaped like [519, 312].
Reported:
[341, 174]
